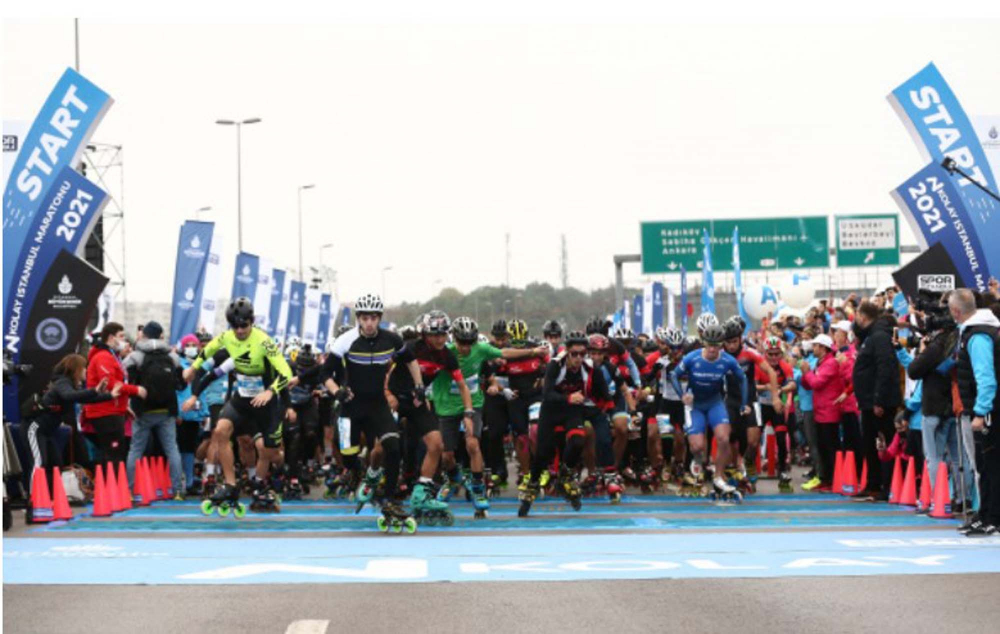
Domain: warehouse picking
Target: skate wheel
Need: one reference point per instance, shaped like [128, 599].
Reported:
[206, 507]
[382, 524]
[616, 498]
[738, 497]
[410, 525]
[481, 515]
[397, 526]
[224, 509]
[240, 511]
[447, 520]
[575, 503]
[523, 511]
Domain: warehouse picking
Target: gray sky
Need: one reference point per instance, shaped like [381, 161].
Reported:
[428, 142]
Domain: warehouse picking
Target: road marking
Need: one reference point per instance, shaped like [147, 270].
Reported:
[307, 626]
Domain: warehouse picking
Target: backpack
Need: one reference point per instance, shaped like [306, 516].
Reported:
[158, 375]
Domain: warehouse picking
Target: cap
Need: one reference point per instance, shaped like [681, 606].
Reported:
[823, 340]
[152, 330]
[843, 324]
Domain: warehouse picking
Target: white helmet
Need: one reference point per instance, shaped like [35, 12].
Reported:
[705, 320]
[369, 303]
[292, 343]
[670, 336]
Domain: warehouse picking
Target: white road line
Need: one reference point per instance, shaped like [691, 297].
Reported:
[307, 627]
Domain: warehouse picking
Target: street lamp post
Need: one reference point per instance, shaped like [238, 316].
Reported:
[239, 172]
[301, 189]
[384, 269]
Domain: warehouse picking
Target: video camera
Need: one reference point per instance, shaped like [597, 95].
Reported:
[11, 369]
[936, 315]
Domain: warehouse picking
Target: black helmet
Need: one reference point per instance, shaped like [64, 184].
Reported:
[713, 334]
[552, 328]
[408, 333]
[435, 322]
[306, 358]
[465, 330]
[203, 337]
[733, 327]
[690, 343]
[597, 326]
[576, 338]
[239, 313]
[499, 328]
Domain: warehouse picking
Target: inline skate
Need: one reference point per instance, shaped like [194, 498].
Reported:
[427, 508]
[225, 499]
[479, 500]
[722, 491]
[395, 518]
[527, 495]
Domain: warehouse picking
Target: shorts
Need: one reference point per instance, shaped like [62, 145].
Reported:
[453, 428]
[307, 418]
[741, 420]
[422, 420]
[369, 416]
[710, 415]
[560, 419]
[211, 420]
[621, 407]
[518, 415]
[259, 422]
[768, 416]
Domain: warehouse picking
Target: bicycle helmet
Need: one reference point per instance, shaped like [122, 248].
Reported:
[518, 330]
[369, 303]
[435, 322]
[552, 328]
[499, 328]
[598, 342]
[705, 320]
[576, 338]
[239, 313]
[713, 334]
[465, 330]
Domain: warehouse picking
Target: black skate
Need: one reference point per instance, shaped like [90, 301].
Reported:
[225, 499]
[395, 518]
[527, 496]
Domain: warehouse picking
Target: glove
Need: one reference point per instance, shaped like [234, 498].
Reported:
[419, 397]
[342, 395]
[508, 394]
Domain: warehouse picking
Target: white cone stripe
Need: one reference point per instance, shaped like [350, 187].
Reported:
[307, 627]
[36, 453]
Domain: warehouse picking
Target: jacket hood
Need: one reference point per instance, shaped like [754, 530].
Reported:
[982, 317]
[150, 345]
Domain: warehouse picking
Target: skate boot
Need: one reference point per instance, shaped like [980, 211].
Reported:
[722, 491]
[693, 485]
[743, 483]
[648, 480]
[208, 487]
[427, 508]
[395, 518]
[569, 487]
[224, 499]
[546, 481]
[630, 477]
[479, 500]
[590, 486]
[293, 489]
[264, 499]
[527, 496]
[614, 485]
[450, 487]
[366, 490]
[785, 483]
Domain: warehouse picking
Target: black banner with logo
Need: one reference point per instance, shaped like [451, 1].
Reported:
[932, 270]
[59, 317]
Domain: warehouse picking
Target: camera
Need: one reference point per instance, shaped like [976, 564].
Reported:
[11, 369]
[936, 315]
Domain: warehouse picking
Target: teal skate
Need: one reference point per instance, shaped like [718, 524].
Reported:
[427, 509]
[450, 486]
[479, 500]
[366, 490]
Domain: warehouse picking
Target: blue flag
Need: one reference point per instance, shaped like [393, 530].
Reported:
[707, 279]
[637, 314]
[737, 276]
[245, 276]
[277, 287]
[296, 305]
[189, 277]
[323, 330]
[684, 299]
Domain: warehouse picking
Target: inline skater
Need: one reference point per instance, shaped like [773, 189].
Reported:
[746, 421]
[553, 332]
[596, 412]
[355, 372]
[449, 404]
[621, 415]
[495, 418]
[432, 359]
[668, 407]
[261, 387]
[302, 416]
[706, 370]
[570, 382]
[523, 392]
[771, 412]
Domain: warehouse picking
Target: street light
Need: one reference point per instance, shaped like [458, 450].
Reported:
[239, 172]
[301, 189]
[384, 269]
[197, 212]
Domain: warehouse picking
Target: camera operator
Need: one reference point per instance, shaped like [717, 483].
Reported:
[978, 365]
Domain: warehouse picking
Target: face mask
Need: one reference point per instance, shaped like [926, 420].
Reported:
[120, 344]
[191, 352]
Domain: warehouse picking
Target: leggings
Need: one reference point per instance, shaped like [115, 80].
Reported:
[111, 439]
[570, 438]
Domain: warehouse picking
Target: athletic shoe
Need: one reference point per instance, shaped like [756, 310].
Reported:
[812, 484]
[987, 530]
[971, 523]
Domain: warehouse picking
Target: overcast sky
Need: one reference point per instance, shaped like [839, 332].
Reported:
[427, 143]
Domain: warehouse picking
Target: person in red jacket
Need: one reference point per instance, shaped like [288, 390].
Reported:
[850, 415]
[827, 385]
[108, 417]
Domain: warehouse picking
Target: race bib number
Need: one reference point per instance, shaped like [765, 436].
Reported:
[664, 425]
[534, 411]
[344, 430]
[472, 382]
[503, 382]
[249, 386]
[687, 418]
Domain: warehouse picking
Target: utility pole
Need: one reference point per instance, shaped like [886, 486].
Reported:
[564, 264]
[76, 42]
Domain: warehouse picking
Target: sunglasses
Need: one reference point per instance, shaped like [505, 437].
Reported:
[577, 354]
[774, 354]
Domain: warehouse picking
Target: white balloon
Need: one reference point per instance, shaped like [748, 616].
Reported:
[798, 291]
[759, 300]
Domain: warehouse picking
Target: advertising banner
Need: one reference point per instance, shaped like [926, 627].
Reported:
[323, 329]
[245, 276]
[189, 278]
[310, 317]
[262, 296]
[210, 289]
[707, 278]
[296, 304]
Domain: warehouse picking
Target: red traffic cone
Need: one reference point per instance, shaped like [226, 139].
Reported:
[157, 477]
[124, 495]
[924, 501]
[909, 495]
[772, 455]
[60, 505]
[849, 475]
[139, 483]
[147, 475]
[941, 507]
[838, 472]
[715, 448]
[41, 504]
[168, 483]
[757, 462]
[111, 486]
[897, 482]
[102, 506]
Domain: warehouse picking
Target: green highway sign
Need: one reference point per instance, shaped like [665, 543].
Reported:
[867, 240]
[765, 244]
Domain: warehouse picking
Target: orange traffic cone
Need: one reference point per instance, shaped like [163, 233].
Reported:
[849, 475]
[924, 501]
[102, 506]
[157, 476]
[897, 482]
[139, 483]
[941, 507]
[41, 504]
[111, 486]
[838, 472]
[60, 505]
[772, 455]
[757, 462]
[124, 495]
[148, 480]
[909, 495]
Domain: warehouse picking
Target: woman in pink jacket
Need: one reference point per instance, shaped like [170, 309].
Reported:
[827, 385]
[850, 415]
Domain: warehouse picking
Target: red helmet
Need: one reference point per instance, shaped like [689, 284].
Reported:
[773, 344]
[598, 342]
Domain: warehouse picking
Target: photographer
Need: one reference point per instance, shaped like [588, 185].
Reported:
[978, 364]
[932, 364]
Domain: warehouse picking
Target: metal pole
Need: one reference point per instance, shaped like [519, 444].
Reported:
[76, 42]
[299, 191]
[239, 192]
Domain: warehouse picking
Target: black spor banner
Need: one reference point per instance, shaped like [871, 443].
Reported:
[932, 270]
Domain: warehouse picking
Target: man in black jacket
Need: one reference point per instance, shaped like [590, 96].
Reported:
[876, 386]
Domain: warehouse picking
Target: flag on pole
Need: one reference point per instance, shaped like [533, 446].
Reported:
[707, 279]
[737, 276]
